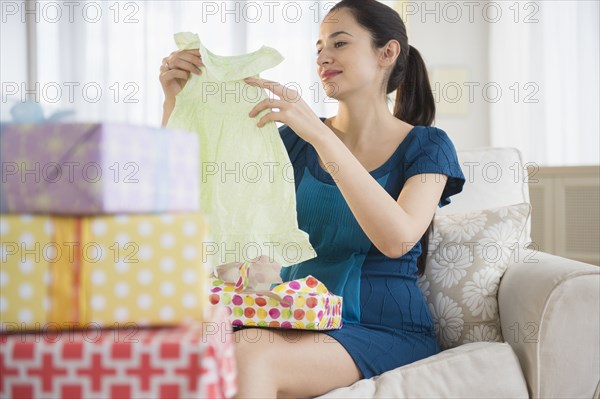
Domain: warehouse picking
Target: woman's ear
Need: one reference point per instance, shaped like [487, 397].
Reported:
[390, 53]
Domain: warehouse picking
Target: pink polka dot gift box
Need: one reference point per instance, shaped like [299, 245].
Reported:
[101, 271]
[304, 303]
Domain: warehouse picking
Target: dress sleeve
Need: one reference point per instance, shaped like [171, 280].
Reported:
[434, 152]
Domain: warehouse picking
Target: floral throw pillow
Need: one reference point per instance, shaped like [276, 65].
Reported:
[467, 256]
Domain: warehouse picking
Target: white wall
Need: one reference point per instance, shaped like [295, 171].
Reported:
[13, 62]
[458, 45]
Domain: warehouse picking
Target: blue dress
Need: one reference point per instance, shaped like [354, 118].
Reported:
[386, 322]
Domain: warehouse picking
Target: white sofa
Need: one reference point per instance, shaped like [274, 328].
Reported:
[549, 313]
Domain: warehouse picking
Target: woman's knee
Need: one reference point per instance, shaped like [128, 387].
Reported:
[252, 347]
[255, 363]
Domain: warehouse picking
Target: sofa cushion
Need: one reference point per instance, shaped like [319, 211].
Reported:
[467, 256]
[494, 177]
[475, 370]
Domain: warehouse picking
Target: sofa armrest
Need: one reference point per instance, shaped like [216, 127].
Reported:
[550, 315]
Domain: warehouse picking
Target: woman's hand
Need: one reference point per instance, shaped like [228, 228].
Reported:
[176, 69]
[293, 111]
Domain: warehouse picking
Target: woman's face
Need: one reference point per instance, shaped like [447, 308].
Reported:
[347, 62]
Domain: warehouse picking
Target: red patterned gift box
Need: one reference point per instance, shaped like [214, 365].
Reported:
[190, 361]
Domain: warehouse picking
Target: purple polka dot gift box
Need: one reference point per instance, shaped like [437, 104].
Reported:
[304, 303]
[97, 168]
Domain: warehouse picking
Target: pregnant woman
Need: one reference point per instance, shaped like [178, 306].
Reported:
[368, 183]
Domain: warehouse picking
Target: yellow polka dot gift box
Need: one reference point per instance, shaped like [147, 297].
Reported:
[101, 271]
[304, 303]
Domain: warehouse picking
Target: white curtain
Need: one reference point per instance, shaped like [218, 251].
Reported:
[104, 64]
[546, 53]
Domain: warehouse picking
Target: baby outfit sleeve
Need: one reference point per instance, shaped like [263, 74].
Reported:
[229, 68]
[434, 152]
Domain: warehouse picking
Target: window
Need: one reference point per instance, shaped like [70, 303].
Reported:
[102, 58]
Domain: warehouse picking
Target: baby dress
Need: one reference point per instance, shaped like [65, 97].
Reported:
[247, 180]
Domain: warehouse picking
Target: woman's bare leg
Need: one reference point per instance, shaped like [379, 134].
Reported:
[290, 364]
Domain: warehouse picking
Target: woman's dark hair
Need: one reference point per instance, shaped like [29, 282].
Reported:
[414, 99]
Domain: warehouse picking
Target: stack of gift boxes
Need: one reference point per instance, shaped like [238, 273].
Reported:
[101, 229]
[101, 235]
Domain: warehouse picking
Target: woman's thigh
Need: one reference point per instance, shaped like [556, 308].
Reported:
[301, 363]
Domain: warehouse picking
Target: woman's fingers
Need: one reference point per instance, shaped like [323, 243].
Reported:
[192, 56]
[181, 63]
[264, 104]
[271, 116]
[187, 60]
[194, 52]
[275, 87]
[177, 74]
[170, 74]
[176, 69]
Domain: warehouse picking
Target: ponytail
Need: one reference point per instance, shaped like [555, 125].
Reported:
[414, 100]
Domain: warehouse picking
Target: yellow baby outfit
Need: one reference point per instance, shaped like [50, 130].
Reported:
[247, 180]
